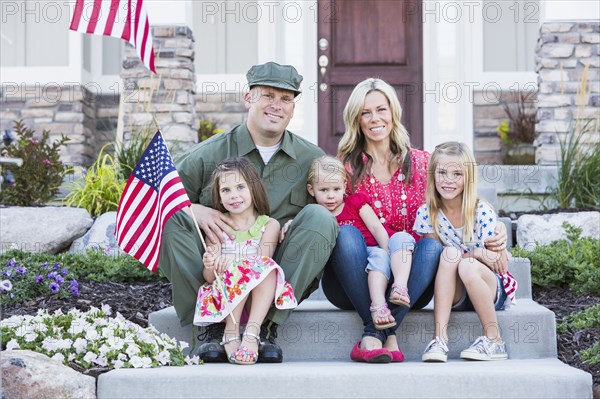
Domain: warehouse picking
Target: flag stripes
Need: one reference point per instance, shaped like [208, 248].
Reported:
[125, 19]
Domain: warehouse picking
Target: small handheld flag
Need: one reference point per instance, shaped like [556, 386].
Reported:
[153, 193]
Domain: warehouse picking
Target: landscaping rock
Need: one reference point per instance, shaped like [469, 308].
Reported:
[46, 229]
[100, 236]
[27, 374]
[533, 230]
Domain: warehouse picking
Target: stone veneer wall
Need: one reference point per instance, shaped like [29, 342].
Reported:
[224, 109]
[488, 113]
[168, 95]
[564, 50]
[85, 117]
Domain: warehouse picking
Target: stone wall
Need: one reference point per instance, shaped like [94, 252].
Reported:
[168, 95]
[564, 51]
[85, 117]
[488, 113]
[224, 109]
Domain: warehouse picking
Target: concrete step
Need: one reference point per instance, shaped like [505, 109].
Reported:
[319, 331]
[542, 378]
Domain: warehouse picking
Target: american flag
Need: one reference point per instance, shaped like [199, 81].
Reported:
[126, 19]
[152, 194]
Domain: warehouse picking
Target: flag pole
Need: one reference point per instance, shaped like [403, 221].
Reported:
[217, 280]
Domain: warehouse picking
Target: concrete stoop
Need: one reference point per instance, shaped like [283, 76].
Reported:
[316, 341]
[542, 378]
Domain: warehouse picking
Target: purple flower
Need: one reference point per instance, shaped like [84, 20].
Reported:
[59, 279]
[5, 286]
[8, 272]
[45, 265]
[11, 263]
[39, 279]
[47, 162]
[54, 287]
[64, 271]
[21, 270]
[84, 172]
[52, 275]
[74, 283]
[74, 291]
[57, 266]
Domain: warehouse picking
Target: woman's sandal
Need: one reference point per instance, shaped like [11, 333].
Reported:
[245, 351]
[225, 341]
[379, 312]
[403, 297]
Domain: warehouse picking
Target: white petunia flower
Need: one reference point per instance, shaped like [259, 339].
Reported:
[80, 345]
[107, 309]
[136, 362]
[101, 360]
[59, 357]
[163, 358]
[118, 364]
[191, 360]
[183, 344]
[30, 337]
[90, 357]
[91, 334]
[12, 344]
[132, 350]
[50, 344]
[146, 362]
[71, 357]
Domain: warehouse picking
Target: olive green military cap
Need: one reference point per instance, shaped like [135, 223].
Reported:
[274, 75]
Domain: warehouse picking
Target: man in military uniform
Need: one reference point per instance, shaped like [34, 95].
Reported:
[283, 159]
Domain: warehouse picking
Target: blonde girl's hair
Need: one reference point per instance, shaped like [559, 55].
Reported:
[353, 142]
[469, 195]
[248, 171]
[326, 167]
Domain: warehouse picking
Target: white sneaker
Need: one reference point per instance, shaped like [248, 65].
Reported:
[485, 348]
[436, 351]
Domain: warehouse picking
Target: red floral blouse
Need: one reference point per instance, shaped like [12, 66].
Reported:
[389, 195]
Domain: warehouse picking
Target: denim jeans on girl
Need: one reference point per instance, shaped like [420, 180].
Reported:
[345, 280]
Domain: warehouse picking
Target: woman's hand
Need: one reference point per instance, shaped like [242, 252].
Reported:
[497, 242]
[284, 230]
[213, 223]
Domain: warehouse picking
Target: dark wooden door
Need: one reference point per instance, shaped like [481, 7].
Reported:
[359, 39]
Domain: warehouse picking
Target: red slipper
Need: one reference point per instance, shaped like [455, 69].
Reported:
[370, 356]
[397, 356]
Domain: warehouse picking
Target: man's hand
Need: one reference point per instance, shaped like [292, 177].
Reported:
[213, 223]
[497, 243]
[284, 230]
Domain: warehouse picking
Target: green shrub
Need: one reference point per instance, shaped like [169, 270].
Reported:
[588, 318]
[100, 189]
[129, 155]
[93, 266]
[38, 179]
[31, 279]
[571, 263]
[207, 129]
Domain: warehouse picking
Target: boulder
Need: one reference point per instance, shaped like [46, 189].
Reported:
[100, 236]
[533, 230]
[45, 229]
[27, 374]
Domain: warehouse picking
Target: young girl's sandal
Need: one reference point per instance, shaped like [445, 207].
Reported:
[225, 341]
[380, 312]
[402, 299]
[244, 351]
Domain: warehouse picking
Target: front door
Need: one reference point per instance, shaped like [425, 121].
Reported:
[359, 39]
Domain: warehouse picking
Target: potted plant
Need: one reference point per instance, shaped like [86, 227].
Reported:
[517, 133]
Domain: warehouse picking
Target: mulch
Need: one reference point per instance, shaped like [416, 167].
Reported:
[136, 300]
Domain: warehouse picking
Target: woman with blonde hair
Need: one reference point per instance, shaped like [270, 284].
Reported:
[376, 152]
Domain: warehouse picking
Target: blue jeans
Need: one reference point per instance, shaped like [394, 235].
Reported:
[345, 281]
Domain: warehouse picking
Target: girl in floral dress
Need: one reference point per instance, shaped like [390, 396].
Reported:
[243, 266]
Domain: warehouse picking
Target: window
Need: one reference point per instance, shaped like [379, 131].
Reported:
[510, 33]
[34, 33]
[226, 35]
